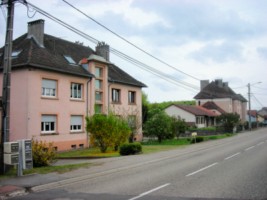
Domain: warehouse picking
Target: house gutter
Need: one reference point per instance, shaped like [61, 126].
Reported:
[87, 108]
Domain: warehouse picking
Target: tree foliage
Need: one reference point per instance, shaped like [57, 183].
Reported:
[228, 121]
[107, 130]
[158, 125]
[178, 126]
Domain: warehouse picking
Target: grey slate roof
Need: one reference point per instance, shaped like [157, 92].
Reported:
[214, 91]
[51, 57]
[117, 75]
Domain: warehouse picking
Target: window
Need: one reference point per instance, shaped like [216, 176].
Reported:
[98, 72]
[76, 122]
[76, 91]
[48, 124]
[200, 120]
[15, 54]
[98, 84]
[116, 95]
[98, 96]
[70, 59]
[131, 97]
[49, 88]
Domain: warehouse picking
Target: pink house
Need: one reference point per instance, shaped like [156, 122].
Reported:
[223, 96]
[55, 84]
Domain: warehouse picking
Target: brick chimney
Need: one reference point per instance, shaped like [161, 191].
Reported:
[36, 31]
[102, 49]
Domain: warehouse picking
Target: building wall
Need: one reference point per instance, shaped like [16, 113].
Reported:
[28, 106]
[124, 108]
[224, 103]
[180, 113]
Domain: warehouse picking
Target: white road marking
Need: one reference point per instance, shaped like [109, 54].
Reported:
[150, 191]
[232, 156]
[249, 148]
[260, 143]
[202, 169]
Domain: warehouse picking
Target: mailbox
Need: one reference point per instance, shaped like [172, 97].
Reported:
[26, 147]
[11, 147]
[11, 153]
[11, 159]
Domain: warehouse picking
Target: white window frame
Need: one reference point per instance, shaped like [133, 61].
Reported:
[49, 88]
[76, 123]
[76, 91]
[131, 97]
[48, 124]
[115, 96]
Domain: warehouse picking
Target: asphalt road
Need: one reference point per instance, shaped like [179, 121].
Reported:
[232, 168]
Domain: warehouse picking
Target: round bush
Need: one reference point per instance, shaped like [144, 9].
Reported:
[130, 149]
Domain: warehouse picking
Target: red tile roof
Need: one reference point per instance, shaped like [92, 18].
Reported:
[197, 110]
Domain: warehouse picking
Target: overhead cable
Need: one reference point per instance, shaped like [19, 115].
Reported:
[114, 51]
[132, 44]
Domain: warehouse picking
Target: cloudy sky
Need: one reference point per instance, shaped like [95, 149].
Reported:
[192, 40]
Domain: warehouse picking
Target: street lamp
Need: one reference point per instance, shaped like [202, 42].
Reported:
[249, 104]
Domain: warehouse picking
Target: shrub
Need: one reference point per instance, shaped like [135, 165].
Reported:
[130, 149]
[197, 139]
[107, 130]
[43, 153]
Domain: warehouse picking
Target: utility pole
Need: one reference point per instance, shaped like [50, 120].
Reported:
[249, 108]
[6, 80]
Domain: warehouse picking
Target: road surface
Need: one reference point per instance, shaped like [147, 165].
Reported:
[232, 168]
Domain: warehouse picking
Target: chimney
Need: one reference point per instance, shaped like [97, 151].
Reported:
[203, 84]
[102, 49]
[219, 82]
[36, 31]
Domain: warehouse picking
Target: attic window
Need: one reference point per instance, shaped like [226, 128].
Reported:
[15, 53]
[70, 59]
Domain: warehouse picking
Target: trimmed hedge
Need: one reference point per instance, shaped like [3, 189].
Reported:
[197, 139]
[130, 149]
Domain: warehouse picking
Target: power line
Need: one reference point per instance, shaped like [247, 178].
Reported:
[257, 100]
[132, 44]
[114, 51]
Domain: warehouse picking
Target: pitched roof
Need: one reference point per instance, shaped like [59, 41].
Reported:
[197, 110]
[215, 91]
[119, 76]
[51, 57]
[210, 105]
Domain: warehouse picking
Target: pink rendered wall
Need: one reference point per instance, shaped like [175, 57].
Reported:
[124, 108]
[27, 107]
[18, 97]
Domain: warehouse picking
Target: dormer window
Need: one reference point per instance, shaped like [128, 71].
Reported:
[70, 59]
[15, 53]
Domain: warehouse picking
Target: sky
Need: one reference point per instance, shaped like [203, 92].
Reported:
[192, 40]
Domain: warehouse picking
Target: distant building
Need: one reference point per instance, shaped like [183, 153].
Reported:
[193, 115]
[223, 96]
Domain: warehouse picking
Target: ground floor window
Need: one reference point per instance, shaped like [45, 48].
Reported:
[48, 123]
[76, 123]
